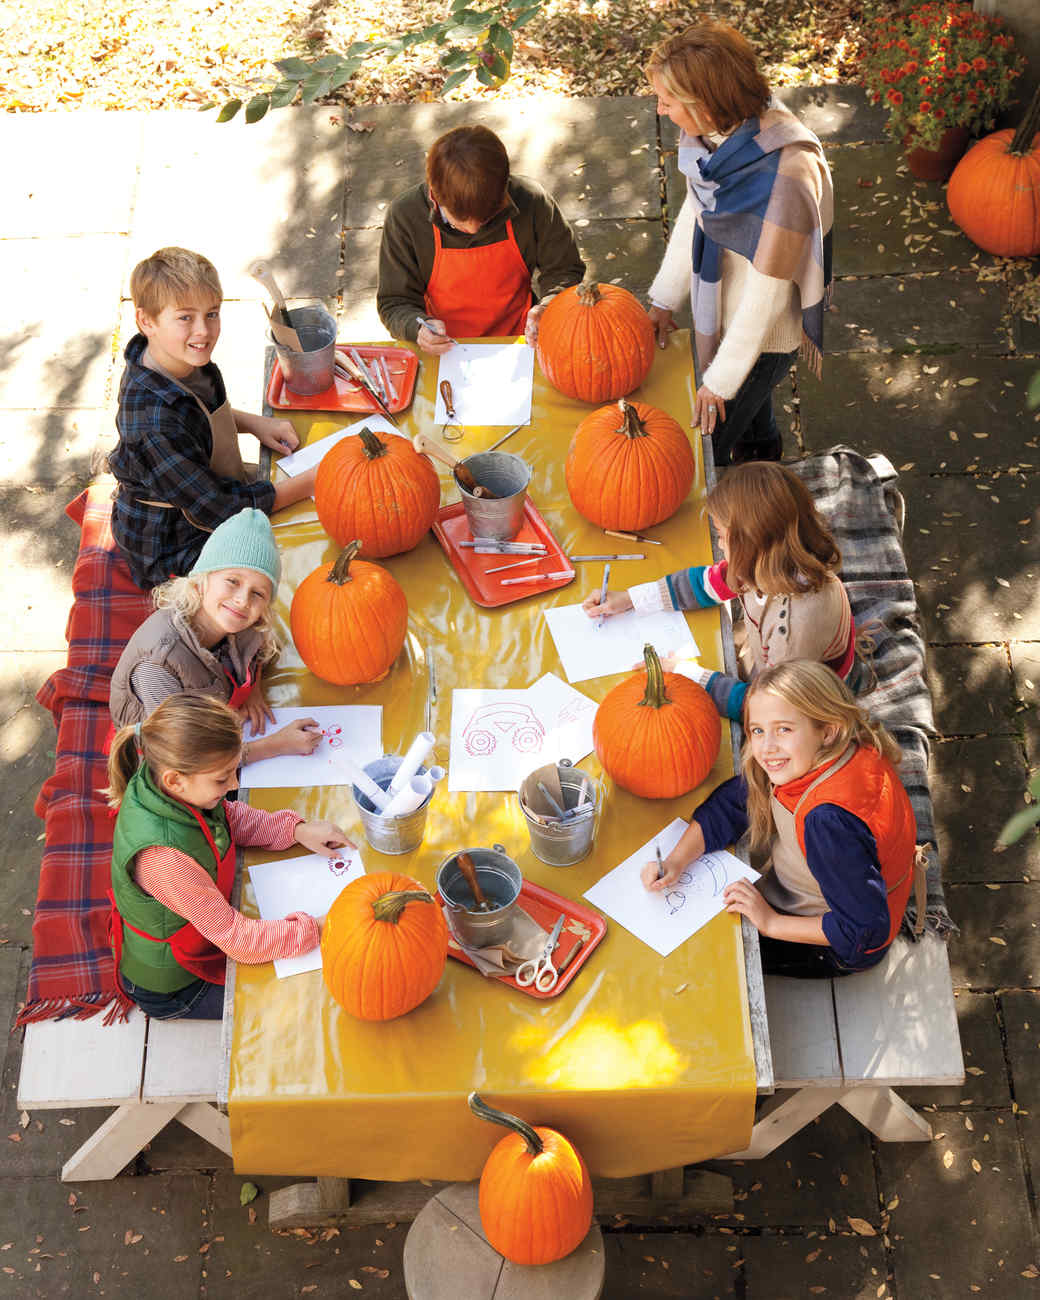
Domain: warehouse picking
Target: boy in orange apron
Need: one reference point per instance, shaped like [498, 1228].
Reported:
[177, 463]
[460, 250]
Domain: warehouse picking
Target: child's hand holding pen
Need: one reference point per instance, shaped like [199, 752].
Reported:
[433, 337]
[663, 872]
[322, 837]
[616, 602]
[279, 435]
[303, 736]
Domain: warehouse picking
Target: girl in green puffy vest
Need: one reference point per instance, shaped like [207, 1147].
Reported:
[173, 859]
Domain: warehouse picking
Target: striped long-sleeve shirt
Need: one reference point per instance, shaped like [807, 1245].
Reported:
[185, 887]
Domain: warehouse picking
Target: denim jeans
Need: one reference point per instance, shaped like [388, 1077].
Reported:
[750, 424]
[805, 961]
[198, 1000]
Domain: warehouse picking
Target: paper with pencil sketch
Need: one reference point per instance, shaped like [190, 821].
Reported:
[665, 920]
[310, 884]
[312, 454]
[587, 650]
[353, 730]
[491, 383]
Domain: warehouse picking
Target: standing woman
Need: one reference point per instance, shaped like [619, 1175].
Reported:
[752, 242]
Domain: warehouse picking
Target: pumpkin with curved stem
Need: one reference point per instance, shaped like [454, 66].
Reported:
[383, 946]
[348, 620]
[378, 490]
[994, 192]
[629, 466]
[657, 734]
[535, 1192]
[595, 342]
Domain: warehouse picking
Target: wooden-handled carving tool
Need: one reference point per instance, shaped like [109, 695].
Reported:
[428, 446]
[281, 321]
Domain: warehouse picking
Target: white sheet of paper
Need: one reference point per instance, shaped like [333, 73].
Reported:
[567, 715]
[586, 650]
[490, 382]
[311, 455]
[311, 884]
[354, 729]
[665, 920]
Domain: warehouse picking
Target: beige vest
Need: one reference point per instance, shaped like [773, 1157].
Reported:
[810, 625]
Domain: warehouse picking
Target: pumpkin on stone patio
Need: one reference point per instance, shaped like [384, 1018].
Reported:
[595, 342]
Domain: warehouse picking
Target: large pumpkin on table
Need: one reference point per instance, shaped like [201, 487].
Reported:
[348, 620]
[629, 466]
[994, 192]
[657, 734]
[535, 1192]
[379, 490]
[595, 342]
[383, 947]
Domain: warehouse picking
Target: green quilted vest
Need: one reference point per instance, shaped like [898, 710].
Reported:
[148, 817]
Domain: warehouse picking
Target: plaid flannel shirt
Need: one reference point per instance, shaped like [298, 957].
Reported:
[163, 455]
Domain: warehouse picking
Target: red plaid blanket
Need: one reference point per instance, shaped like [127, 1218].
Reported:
[72, 969]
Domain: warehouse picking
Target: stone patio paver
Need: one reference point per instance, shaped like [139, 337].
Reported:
[978, 784]
[789, 1268]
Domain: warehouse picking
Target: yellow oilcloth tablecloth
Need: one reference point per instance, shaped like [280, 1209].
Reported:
[644, 1062]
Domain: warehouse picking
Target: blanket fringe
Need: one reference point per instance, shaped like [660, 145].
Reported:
[116, 1006]
[812, 355]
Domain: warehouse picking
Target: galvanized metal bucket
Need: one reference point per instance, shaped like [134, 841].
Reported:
[562, 843]
[507, 476]
[500, 879]
[312, 370]
[390, 834]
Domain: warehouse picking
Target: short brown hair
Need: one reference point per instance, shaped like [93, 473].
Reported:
[467, 169]
[712, 65]
[169, 274]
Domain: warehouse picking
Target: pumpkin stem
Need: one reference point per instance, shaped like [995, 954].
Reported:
[656, 696]
[388, 907]
[340, 571]
[482, 1110]
[374, 446]
[1022, 141]
[588, 293]
[631, 425]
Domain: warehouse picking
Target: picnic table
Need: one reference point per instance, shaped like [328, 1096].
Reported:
[646, 1063]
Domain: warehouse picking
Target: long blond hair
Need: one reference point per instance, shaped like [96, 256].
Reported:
[818, 692]
[184, 596]
[188, 733]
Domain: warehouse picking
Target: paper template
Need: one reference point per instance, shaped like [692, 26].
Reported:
[587, 650]
[491, 383]
[663, 921]
[498, 737]
[311, 884]
[310, 455]
[354, 729]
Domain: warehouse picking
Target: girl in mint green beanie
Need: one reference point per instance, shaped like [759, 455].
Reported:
[210, 632]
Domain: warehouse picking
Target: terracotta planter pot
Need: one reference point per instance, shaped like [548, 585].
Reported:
[937, 164]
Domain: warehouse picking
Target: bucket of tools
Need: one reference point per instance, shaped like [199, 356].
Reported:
[561, 805]
[311, 370]
[500, 516]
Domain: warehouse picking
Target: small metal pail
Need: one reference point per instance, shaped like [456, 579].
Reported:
[507, 476]
[562, 843]
[499, 878]
[390, 834]
[312, 370]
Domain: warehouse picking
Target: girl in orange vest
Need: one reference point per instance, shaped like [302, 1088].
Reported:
[819, 792]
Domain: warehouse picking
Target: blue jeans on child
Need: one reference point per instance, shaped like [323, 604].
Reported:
[749, 431]
[198, 1000]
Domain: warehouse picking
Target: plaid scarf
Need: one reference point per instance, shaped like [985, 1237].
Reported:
[765, 194]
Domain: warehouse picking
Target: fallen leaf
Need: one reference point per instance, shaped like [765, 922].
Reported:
[947, 1159]
[976, 1166]
[995, 938]
[861, 1227]
[23, 1119]
[353, 1282]
[248, 1192]
[967, 383]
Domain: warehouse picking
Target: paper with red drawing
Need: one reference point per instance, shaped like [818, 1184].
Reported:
[310, 884]
[346, 729]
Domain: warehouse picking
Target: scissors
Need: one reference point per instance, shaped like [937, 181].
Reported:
[540, 970]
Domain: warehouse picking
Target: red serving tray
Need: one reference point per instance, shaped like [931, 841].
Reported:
[450, 527]
[345, 394]
[543, 906]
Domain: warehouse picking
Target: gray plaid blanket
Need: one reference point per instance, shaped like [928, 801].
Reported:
[860, 502]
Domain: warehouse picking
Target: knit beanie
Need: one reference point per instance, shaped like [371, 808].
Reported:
[245, 541]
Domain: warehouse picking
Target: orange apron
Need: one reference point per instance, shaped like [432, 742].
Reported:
[479, 292]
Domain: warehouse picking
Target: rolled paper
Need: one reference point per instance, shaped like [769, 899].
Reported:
[436, 774]
[405, 801]
[364, 783]
[412, 761]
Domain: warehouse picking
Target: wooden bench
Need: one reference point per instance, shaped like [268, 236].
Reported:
[152, 1071]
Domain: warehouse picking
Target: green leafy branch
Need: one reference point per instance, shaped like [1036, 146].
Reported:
[477, 42]
[1022, 822]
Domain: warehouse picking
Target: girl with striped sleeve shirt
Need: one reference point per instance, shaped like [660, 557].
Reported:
[780, 562]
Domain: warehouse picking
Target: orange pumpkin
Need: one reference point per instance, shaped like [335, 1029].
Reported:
[994, 192]
[379, 491]
[383, 947]
[629, 466]
[349, 620]
[595, 342]
[657, 734]
[535, 1192]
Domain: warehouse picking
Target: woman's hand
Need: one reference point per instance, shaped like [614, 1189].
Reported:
[256, 711]
[661, 319]
[322, 837]
[710, 409]
[534, 317]
[617, 602]
[742, 896]
[433, 341]
[279, 435]
[300, 737]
